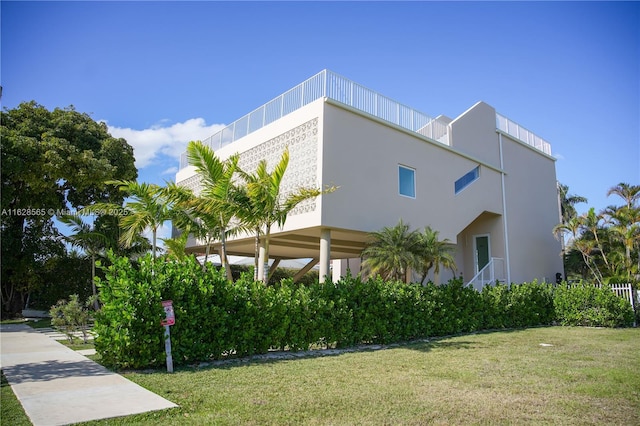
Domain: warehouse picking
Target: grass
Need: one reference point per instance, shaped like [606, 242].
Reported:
[587, 376]
[33, 323]
[11, 412]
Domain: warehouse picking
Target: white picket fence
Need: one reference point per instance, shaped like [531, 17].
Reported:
[625, 291]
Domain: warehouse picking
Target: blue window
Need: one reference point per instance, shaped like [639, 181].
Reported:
[467, 179]
[407, 181]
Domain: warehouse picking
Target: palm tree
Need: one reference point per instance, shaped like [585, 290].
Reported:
[592, 223]
[266, 205]
[176, 246]
[583, 242]
[215, 206]
[392, 252]
[630, 193]
[88, 239]
[433, 253]
[568, 202]
[147, 208]
[625, 229]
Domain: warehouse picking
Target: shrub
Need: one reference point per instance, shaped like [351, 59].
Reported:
[588, 305]
[71, 316]
[216, 318]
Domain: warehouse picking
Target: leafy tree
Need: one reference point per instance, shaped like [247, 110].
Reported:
[392, 251]
[71, 316]
[61, 275]
[609, 241]
[51, 161]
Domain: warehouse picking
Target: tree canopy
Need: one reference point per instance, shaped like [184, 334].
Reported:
[52, 162]
[604, 246]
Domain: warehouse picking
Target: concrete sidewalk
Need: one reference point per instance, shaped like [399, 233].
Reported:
[58, 386]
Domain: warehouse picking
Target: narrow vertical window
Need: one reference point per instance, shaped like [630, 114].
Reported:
[407, 181]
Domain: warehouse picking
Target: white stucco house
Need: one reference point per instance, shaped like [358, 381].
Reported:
[484, 182]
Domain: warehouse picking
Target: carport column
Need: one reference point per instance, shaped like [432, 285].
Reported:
[325, 254]
[261, 260]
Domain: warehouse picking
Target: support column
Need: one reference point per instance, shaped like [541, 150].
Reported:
[261, 261]
[325, 254]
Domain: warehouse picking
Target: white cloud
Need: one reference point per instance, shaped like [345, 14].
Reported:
[169, 140]
[170, 171]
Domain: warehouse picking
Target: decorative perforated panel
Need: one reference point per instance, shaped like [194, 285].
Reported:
[302, 170]
[192, 183]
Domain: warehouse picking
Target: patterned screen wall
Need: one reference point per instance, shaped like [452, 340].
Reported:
[192, 183]
[302, 170]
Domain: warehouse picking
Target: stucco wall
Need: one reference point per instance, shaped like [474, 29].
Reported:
[362, 157]
[532, 208]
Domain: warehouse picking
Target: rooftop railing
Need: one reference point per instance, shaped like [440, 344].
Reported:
[517, 131]
[331, 85]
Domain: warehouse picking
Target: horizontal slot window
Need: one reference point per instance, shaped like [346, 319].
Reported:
[467, 179]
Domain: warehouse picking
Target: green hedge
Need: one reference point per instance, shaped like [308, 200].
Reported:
[216, 318]
[587, 305]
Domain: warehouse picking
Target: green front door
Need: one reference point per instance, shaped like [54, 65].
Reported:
[482, 251]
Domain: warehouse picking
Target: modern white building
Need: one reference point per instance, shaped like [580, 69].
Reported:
[484, 182]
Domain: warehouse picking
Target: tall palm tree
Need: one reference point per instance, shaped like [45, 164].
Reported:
[630, 193]
[625, 229]
[575, 228]
[87, 238]
[392, 252]
[568, 202]
[215, 206]
[592, 223]
[434, 253]
[266, 204]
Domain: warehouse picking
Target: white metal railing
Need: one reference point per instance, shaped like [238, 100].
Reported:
[491, 273]
[517, 131]
[331, 85]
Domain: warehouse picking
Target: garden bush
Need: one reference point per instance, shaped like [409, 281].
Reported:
[216, 318]
[588, 305]
[71, 316]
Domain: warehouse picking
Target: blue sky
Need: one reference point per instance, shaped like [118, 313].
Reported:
[163, 73]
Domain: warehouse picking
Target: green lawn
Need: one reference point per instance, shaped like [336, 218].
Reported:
[587, 376]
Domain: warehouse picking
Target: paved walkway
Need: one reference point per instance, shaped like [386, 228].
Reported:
[58, 386]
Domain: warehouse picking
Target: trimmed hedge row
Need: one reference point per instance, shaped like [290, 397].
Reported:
[216, 318]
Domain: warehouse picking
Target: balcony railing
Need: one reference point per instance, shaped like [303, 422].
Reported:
[331, 85]
[522, 134]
